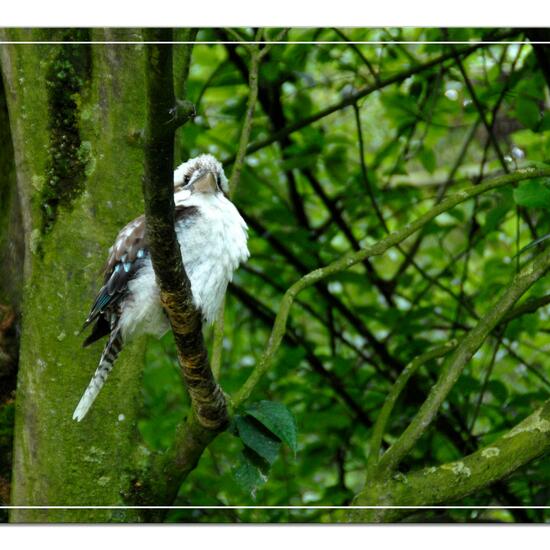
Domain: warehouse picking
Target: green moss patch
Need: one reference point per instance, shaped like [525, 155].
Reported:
[67, 76]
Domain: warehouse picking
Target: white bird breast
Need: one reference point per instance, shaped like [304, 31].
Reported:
[213, 243]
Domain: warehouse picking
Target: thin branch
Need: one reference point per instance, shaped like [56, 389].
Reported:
[254, 52]
[359, 53]
[255, 58]
[364, 173]
[382, 420]
[353, 258]
[267, 47]
[188, 35]
[485, 382]
[481, 110]
[314, 314]
[440, 194]
[265, 314]
[530, 306]
[243, 40]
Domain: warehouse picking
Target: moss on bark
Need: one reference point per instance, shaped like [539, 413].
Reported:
[67, 78]
[58, 461]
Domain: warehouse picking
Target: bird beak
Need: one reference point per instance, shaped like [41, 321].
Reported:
[206, 183]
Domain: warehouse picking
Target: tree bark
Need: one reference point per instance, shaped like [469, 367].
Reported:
[76, 113]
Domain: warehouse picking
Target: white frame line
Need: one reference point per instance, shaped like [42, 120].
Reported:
[269, 42]
[267, 507]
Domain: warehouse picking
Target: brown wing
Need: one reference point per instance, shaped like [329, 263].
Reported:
[130, 240]
[126, 257]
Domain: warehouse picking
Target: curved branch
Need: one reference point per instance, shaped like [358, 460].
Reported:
[352, 258]
[450, 482]
[393, 395]
[458, 360]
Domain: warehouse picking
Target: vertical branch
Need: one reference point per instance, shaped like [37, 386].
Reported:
[250, 107]
[188, 35]
[364, 173]
[207, 398]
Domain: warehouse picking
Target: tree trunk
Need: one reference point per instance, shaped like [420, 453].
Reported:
[76, 114]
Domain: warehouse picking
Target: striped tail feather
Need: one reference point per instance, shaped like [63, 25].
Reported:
[108, 357]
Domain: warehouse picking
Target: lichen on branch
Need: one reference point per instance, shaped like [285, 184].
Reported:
[453, 481]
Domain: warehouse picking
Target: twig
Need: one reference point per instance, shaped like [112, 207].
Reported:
[188, 35]
[359, 53]
[353, 98]
[364, 174]
[382, 420]
[265, 314]
[256, 55]
[485, 382]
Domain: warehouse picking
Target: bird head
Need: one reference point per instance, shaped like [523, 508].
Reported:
[202, 174]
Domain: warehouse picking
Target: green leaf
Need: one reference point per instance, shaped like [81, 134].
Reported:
[499, 390]
[527, 112]
[248, 475]
[277, 419]
[256, 437]
[533, 194]
[427, 158]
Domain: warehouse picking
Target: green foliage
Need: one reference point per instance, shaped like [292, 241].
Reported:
[261, 428]
[418, 142]
[277, 419]
[260, 440]
[533, 194]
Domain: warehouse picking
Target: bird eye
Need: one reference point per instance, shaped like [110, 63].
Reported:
[186, 179]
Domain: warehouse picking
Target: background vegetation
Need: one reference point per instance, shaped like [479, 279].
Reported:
[349, 143]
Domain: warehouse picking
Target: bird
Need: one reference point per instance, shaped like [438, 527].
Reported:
[212, 236]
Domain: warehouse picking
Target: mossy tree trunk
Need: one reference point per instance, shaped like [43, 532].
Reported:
[76, 113]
